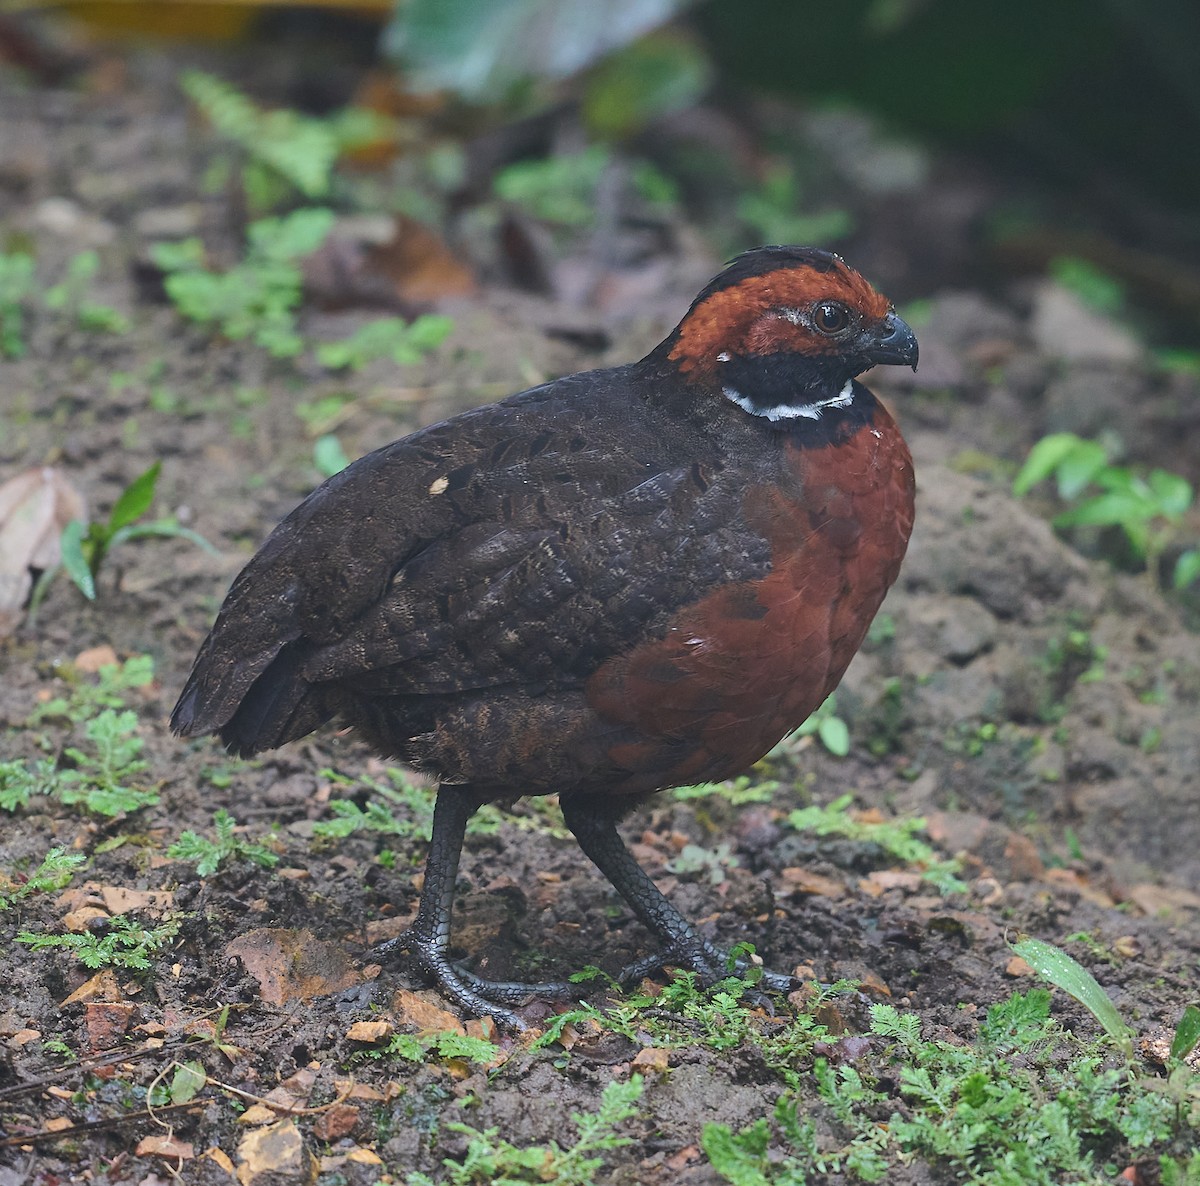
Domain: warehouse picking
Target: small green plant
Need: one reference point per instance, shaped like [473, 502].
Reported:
[403, 342]
[414, 816]
[489, 1159]
[896, 837]
[85, 698]
[55, 871]
[256, 298]
[772, 213]
[743, 1157]
[187, 1081]
[1091, 284]
[20, 781]
[405, 808]
[561, 190]
[85, 548]
[1024, 1102]
[1148, 507]
[708, 864]
[125, 944]
[736, 792]
[208, 855]
[436, 1045]
[1067, 973]
[277, 153]
[971, 737]
[70, 296]
[16, 283]
[830, 729]
[101, 778]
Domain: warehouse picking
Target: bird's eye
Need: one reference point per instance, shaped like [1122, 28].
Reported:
[830, 317]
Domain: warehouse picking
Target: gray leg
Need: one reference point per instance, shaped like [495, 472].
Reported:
[596, 830]
[428, 939]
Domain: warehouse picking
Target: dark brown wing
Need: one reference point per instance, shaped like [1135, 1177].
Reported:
[517, 546]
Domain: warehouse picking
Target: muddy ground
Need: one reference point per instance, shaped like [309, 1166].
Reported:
[1038, 708]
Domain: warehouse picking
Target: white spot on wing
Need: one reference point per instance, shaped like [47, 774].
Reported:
[438, 485]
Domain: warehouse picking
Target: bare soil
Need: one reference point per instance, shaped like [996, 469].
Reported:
[1038, 708]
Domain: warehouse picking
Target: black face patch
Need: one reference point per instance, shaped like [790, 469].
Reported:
[764, 384]
[784, 378]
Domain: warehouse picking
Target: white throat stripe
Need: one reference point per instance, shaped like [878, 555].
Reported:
[843, 399]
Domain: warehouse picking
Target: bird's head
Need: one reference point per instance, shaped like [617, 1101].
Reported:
[783, 331]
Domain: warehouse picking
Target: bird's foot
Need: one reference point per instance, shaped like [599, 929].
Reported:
[710, 963]
[473, 993]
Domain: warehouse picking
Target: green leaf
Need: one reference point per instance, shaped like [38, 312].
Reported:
[1081, 465]
[1108, 510]
[1044, 458]
[663, 72]
[135, 499]
[1072, 977]
[1173, 492]
[165, 528]
[835, 736]
[1187, 1033]
[481, 48]
[328, 455]
[71, 545]
[188, 1079]
[740, 1157]
[1187, 568]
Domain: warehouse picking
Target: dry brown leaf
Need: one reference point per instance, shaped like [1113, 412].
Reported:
[1016, 966]
[168, 1147]
[275, 1154]
[411, 1008]
[1159, 900]
[418, 264]
[91, 660]
[681, 1160]
[101, 987]
[296, 1088]
[293, 964]
[119, 900]
[79, 921]
[651, 1058]
[798, 880]
[106, 1023]
[362, 1091]
[217, 1154]
[336, 1122]
[257, 1115]
[1080, 884]
[481, 1027]
[34, 508]
[369, 1031]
